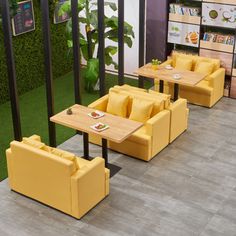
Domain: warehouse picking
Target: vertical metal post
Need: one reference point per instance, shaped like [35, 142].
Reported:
[48, 70]
[142, 13]
[76, 50]
[121, 41]
[11, 70]
[101, 47]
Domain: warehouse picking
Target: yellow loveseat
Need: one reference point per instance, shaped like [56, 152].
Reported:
[166, 122]
[208, 91]
[55, 177]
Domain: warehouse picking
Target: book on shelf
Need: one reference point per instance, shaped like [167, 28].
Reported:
[180, 9]
[218, 38]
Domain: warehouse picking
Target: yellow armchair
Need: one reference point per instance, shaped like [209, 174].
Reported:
[67, 183]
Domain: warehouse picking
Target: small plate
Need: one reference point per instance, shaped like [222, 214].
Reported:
[176, 76]
[98, 125]
[96, 114]
[169, 67]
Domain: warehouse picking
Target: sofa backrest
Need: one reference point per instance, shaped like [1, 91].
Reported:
[159, 103]
[196, 59]
[40, 175]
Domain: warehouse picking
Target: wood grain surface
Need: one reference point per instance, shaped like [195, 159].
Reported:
[119, 128]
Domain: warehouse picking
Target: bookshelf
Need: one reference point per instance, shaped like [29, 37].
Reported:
[206, 28]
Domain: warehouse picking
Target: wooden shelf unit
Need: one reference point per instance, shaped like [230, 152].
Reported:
[196, 20]
[231, 2]
[216, 46]
[226, 53]
[234, 72]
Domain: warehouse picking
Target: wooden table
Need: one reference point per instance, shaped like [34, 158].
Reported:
[187, 77]
[119, 130]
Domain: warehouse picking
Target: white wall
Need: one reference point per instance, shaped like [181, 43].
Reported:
[132, 17]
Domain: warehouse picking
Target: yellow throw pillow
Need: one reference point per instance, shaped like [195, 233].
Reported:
[141, 110]
[117, 104]
[66, 155]
[33, 143]
[204, 67]
[183, 63]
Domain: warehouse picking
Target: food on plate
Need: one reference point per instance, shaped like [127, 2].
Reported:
[100, 126]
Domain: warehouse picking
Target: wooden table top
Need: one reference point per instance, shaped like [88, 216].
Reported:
[119, 130]
[187, 77]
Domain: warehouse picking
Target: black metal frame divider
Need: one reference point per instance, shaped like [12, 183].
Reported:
[11, 70]
[121, 16]
[48, 70]
[142, 16]
[76, 66]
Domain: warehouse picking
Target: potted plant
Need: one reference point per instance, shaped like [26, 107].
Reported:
[155, 64]
[89, 41]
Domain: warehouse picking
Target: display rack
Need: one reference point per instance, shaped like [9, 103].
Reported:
[191, 25]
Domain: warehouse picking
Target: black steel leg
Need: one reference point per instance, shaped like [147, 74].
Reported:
[86, 145]
[104, 151]
[161, 86]
[176, 92]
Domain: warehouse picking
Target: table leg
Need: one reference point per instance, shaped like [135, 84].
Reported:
[104, 151]
[113, 168]
[161, 86]
[86, 145]
[176, 92]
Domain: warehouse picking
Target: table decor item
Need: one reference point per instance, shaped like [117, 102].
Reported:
[69, 111]
[176, 76]
[96, 114]
[99, 127]
[155, 64]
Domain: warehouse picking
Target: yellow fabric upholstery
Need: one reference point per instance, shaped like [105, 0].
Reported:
[208, 91]
[33, 143]
[178, 116]
[158, 102]
[52, 180]
[141, 110]
[184, 63]
[117, 104]
[205, 68]
[146, 142]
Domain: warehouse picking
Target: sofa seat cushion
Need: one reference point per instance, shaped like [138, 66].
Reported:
[67, 156]
[201, 88]
[140, 137]
[184, 63]
[141, 110]
[204, 67]
[117, 104]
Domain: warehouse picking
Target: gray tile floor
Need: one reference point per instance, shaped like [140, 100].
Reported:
[188, 189]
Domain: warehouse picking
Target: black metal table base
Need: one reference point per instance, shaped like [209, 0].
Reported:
[161, 86]
[176, 92]
[113, 168]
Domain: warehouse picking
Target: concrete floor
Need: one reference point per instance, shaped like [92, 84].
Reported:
[188, 189]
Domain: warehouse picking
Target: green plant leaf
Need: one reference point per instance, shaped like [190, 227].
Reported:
[91, 73]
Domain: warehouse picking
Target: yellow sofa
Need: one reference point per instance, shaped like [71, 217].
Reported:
[56, 178]
[167, 121]
[208, 91]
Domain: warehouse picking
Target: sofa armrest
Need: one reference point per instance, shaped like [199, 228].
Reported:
[88, 187]
[158, 127]
[178, 118]
[100, 104]
[216, 81]
[167, 62]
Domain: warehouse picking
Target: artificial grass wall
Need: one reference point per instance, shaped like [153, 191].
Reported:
[29, 57]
